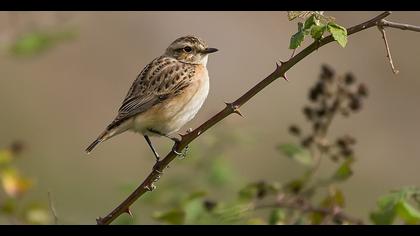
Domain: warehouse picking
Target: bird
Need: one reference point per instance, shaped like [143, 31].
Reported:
[166, 94]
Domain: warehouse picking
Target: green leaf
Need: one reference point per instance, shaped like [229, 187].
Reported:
[338, 32]
[297, 153]
[387, 209]
[407, 212]
[317, 31]
[383, 217]
[343, 172]
[277, 216]
[297, 39]
[174, 216]
[310, 22]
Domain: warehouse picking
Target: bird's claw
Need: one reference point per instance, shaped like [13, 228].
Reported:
[182, 154]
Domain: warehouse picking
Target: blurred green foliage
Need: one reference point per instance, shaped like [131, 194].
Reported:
[403, 204]
[34, 43]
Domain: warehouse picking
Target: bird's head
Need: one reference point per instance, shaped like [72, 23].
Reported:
[190, 49]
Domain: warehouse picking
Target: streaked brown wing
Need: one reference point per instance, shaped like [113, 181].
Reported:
[163, 78]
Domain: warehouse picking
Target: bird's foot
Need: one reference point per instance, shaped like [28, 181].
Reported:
[182, 154]
[177, 141]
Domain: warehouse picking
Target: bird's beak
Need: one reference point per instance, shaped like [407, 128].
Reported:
[210, 50]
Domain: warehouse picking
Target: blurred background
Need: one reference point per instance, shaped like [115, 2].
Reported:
[57, 100]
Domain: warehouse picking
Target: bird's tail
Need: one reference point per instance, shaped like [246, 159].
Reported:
[104, 136]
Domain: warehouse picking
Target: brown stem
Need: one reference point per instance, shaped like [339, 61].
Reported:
[388, 51]
[147, 184]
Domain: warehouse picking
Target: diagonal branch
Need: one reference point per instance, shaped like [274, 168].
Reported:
[147, 184]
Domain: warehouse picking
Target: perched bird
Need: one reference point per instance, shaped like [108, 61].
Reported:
[166, 94]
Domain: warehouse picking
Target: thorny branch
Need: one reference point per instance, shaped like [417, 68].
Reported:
[280, 71]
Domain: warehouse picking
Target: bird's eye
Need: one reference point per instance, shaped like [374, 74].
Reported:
[187, 49]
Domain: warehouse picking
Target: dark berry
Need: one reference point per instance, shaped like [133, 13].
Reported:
[326, 72]
[349, 79]
[307, 141]
[294, 130]
[362, 90]
[209, 205]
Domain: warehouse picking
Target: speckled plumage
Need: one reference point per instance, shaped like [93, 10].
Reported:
[166, 94]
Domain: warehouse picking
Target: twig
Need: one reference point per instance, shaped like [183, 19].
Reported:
[388, 51]
[400, 26]
[280, 71]
[52, 208]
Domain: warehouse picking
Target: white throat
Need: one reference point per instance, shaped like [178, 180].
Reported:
[204, 60]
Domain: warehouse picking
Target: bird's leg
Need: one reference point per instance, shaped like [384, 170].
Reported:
[151, 147]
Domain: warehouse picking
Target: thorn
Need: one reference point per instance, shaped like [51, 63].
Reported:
[285, 77]
[99, 220]
[234, 109]
[128, 211]
[237, 111]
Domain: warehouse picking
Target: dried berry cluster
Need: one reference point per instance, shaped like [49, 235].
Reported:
[331, 95]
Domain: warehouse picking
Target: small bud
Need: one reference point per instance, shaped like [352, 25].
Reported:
[313, 95]
[308, 113]
[334, 158]
[317, 126]
[362, 90]
[16, 147]
[209, 205]
[307, 141]
[261, 193]
[346, 152]
[321, 112]
[349, 139]
[341, 143]
[349, 79]
[326, 72]
[355, 103]
[294, 130]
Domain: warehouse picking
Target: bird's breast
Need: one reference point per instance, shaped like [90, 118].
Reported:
[169, 116]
